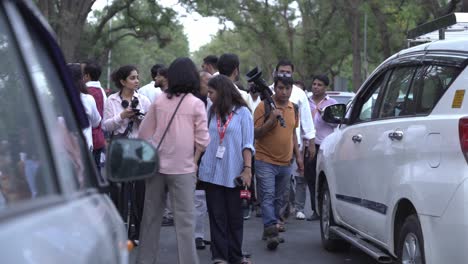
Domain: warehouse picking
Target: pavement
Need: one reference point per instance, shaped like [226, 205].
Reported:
[302, 246]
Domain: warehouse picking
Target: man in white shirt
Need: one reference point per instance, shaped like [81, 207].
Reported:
[152, 90]
[228, 64]
[210, 64]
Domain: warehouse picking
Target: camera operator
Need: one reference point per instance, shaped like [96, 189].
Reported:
[306, 135]
[123, 112]
[275, 143]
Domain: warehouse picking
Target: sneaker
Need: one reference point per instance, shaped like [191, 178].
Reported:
[246, 213]
[300, 215]
[199, 243]
[167, 221]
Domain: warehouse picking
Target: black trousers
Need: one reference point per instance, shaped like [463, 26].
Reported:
[310, 175]
[226, 222]
[129, 198]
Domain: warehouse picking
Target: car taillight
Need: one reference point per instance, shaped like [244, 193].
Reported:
[463, 133]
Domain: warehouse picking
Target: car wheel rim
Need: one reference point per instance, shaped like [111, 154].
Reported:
[326, 215]
[411, 250]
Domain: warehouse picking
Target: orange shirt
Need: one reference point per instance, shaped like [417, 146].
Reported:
[276, 146]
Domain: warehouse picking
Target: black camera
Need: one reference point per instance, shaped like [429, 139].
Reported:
[133, 105]
[259, 85]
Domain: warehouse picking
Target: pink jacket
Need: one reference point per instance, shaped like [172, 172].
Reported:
[188, 128]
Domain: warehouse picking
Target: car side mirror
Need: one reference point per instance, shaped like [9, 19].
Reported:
[334, 113]
[131, 159]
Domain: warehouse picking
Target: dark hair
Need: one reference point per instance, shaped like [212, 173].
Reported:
[288, 81]
[182, 77]
[211, 60]
[321, 77]
[163, 72]
[227, 63]
[227, 96]
[77, 77]
[284, 62]
[121, 74]
[300, 83]
[93, 69]
[154, 70]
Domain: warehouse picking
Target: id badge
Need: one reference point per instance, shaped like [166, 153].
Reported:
[220, 152]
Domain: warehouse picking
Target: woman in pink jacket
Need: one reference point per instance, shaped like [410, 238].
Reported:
[177, 172]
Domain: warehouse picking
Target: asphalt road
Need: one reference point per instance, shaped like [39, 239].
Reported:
[302, 246]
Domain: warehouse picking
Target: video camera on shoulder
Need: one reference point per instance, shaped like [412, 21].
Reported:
[257, 83]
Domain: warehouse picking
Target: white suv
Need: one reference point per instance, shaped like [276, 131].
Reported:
[392, 178]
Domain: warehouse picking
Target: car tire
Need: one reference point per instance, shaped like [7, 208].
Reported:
[410, 247]
[329, 242]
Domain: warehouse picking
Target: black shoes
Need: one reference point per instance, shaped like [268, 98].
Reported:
[167, 221]
[313, 217]
[199, 243]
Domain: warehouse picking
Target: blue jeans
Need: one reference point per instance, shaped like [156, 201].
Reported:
[272, 184]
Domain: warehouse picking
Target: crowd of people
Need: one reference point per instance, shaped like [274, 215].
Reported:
[219, 146]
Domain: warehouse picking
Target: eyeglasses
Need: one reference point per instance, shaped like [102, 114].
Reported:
[284, 74]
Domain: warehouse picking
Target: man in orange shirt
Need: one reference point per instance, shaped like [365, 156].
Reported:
[275, 146]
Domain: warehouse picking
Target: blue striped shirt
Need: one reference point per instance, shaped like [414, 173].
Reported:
[239, 136]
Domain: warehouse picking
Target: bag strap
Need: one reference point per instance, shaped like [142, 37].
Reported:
[170, 122]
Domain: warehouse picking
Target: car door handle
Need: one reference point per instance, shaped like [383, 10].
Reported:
[357, 138]
[396, 135]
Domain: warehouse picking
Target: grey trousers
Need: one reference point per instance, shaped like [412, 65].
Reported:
[181, 192]
[201, 212]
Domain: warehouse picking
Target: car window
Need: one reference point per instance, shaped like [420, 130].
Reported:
[369, 109]
[396, 92]
[430, 85]
[25, 164]
[68, 145]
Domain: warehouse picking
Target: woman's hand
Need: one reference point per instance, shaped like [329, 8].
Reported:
[246, 176]
[127, 113]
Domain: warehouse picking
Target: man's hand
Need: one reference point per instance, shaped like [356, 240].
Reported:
[273, 118]
[311, 152]
[246, 176]
[300, 165]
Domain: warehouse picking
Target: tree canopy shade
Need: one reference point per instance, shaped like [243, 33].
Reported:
[143, 19]
[319, 36]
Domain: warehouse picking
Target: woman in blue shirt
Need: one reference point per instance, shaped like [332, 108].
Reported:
[228, 156]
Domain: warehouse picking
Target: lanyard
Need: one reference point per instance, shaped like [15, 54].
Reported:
[222, 130]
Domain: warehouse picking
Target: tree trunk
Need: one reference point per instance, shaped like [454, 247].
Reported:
[354, 15]
[67, 18]
[383, 28]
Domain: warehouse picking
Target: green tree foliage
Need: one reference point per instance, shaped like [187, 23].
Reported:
[319, 36]
[140, 19]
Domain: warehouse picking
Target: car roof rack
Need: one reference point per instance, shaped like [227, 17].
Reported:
[451, 26]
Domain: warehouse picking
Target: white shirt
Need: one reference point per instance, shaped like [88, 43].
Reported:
[246, 97]
[93, 115]
[306, 125]
[150, 91]
[254, 103]
[97, 84]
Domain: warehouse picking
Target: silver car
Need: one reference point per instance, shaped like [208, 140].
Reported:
[53, 208]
